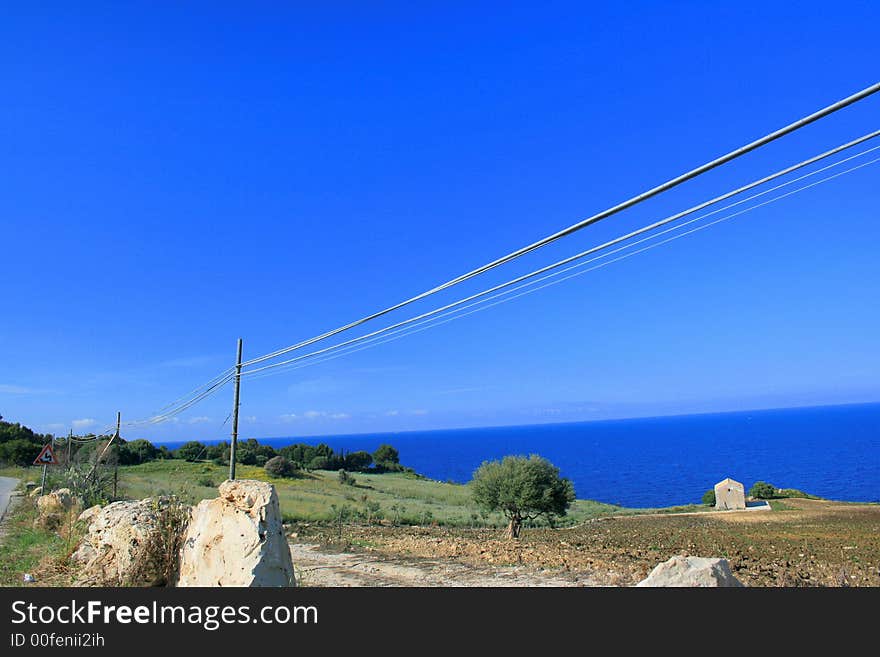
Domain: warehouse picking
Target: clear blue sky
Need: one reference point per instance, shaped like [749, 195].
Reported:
[176, 175]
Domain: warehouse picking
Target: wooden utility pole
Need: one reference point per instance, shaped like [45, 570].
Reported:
[69, 443]
[98, 455]
[116, 464]
[235, 391]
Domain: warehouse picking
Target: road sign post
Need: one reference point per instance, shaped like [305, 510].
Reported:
[46, 458]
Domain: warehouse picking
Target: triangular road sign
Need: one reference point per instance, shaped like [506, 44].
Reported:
[46, 457]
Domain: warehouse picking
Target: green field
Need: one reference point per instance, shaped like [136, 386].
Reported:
[398, 498]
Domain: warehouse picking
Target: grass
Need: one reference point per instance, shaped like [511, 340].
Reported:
[403, 498]
[27, 548]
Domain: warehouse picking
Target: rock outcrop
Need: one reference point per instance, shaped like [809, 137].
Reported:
[54, 509]
[237, 539]
[691, 571]
[112, 553]
[89, 514]
[58, 501]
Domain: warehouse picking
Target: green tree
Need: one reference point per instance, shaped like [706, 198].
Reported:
[19, 452]
[358, 461]
[137, 451]
[762, 490]
[522, 489]
[278, 466]
[709, 497]
[191, 451]
[386, 454]
[387, 459]
[319, 463]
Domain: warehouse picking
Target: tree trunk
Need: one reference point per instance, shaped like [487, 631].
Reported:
[513, 527]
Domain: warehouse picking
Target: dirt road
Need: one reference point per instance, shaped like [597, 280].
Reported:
[317, 566]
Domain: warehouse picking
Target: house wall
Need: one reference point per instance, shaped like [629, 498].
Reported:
[729, 497]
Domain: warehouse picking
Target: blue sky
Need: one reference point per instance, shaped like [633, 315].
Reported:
[174, 177]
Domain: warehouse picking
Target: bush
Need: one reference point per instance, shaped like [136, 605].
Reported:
[191, 451]
[19, 452]
[278, 466]
[386, 456]
[159, 557]
[319, 463]
[137, 451]
[346, 479]
[709, 497]
[794, 492]
[358, 461]
[763, 491]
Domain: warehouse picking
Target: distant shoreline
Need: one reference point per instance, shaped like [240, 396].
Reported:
[317, 438]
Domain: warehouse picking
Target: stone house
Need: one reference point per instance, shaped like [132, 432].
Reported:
[730, 494]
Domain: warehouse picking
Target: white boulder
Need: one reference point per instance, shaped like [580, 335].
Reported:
[692, 571]
[113, 552]
[237, 539]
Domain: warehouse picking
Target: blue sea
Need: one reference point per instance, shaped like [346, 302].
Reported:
[831, 451]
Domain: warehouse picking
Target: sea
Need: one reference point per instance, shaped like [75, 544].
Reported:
[830, 451]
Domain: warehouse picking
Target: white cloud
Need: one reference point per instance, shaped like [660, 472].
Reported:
[55, 426]
[418, 411]
[83, 423]
[315, 415]
[250, 418]
[10, 389]
[200, 419]
[392, 413]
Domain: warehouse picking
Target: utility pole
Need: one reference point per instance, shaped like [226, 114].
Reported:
[69, 443]
[98, 455]
[237, 386]
[116, 465]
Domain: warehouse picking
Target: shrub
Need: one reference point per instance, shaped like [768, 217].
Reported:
[191, 451]
[346, 479]
[709, 497]
[319, 463]
[358, 461]
[763, 491]
[206, 481]
[794, 492]
[137, 451]
[278, 466]
[159, 557]
[386, 456]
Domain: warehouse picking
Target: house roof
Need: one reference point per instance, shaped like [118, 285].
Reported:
[729, 482]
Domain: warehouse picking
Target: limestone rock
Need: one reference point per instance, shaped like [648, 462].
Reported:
[57, 501]
[112, 552]
[691, 571]
[89, 514]
[237, 539]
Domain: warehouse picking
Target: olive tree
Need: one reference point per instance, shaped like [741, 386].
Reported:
[522, 489]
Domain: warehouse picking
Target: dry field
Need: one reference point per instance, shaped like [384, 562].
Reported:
[801, 543]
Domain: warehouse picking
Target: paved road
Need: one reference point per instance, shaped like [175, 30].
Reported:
[7, 485]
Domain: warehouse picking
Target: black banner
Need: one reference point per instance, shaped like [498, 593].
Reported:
[221, 619]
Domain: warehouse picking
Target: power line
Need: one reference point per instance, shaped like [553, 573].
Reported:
[612, 242]
[674, 182]
[343, 350]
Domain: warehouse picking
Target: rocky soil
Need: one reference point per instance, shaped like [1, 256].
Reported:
[810, 543]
